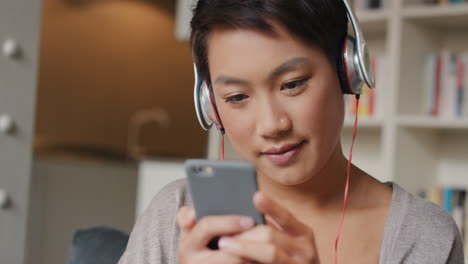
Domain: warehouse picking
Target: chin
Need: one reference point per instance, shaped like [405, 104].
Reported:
[288, 176]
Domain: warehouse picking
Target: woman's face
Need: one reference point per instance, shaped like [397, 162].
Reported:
[279, 100]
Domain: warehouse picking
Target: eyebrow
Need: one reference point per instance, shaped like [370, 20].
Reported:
[287, 66]
[282, 69]
[226, 80]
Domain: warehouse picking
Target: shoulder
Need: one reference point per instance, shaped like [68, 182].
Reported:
[163, 208]
[417, 227]
[423, 215]
[175, 194]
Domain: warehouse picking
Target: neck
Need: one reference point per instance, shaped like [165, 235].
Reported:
[324, 191]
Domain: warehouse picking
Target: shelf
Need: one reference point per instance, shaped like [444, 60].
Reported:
[363, 122]
[369, 15]
[453, 16]
[373, 21]
[432, 122]
[367, 152]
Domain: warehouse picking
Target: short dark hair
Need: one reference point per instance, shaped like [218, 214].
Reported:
[320, 22]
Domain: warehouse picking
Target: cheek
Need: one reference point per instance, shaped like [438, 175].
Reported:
[239, 130]
[321, 117]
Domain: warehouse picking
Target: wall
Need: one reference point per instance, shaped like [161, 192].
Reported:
[101, 61]
[79, 194]
[153, 175]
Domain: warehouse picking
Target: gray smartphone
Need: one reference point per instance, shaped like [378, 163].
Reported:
[223, 188]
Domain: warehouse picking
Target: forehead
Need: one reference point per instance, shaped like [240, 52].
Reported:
[248, 52]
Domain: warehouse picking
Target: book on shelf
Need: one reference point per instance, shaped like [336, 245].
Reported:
[446, 85]
[453, 200]
[443, 2]
[370, 100]
[371, 4]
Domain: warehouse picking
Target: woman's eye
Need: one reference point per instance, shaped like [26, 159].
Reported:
[236, 98]
[294, 84]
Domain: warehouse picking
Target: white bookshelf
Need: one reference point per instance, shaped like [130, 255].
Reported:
[416, 151]
[455, 13]
[375, 21]
[425, 122]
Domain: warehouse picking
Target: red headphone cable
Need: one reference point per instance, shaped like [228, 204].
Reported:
[346, 191]
[223, 132]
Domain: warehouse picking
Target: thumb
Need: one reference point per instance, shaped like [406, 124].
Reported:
[186, 219]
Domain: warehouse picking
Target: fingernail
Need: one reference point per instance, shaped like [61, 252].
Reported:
[247, 222]
[226, 243]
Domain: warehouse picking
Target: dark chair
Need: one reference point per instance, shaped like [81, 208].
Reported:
[97, 245]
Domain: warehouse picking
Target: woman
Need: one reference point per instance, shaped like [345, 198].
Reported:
[272, 67]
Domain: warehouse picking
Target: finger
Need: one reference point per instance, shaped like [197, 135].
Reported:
[215, 257]
[280, 215]
[211, 256]
[271, 222]
[255, 251]
[213, 226]
[186, 219]
[271, 235]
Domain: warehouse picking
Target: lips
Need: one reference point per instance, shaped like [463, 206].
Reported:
[284, 154]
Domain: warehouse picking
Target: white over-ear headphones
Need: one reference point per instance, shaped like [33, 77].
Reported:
[354, 69]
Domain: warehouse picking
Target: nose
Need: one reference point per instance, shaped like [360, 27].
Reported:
[273, 121]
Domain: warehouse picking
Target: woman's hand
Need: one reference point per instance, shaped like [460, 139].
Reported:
[288, 241]
[196, 236]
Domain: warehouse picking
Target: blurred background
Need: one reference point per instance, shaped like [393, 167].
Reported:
[97, 115]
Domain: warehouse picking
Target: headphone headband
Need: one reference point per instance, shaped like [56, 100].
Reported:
[361, 48]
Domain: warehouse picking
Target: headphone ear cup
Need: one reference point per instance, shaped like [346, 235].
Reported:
[349, 71]
[341, 68]
[211, 109]
[205, 108]
[208, 113]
